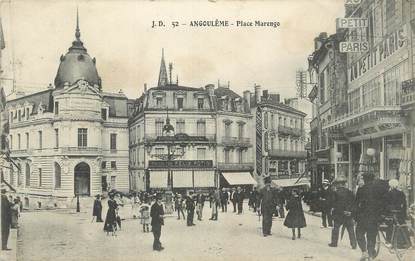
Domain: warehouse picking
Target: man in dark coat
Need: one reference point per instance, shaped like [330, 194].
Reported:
[5, 220]
[190, 207]
[239, 199]
[267, 207]
[281, 202]
[97, 210]
[395, 206]
[325, 196]
[370, 200]
[233, 199]
[343, 206]
[224, 200]
[157, 220]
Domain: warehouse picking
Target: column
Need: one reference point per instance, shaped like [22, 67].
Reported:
[350, 176]
[382, 159]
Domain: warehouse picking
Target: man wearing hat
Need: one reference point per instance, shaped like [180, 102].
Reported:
[326, 194]
[157, 220]
[5, 219]
[343, 206]
[97, 209]
[267, 207]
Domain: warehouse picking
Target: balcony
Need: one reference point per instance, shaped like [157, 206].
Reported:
[84, 151]
[180, 138]
[288, 154]
[236, 166]
[236, 141]
[289, 131]
[19, 153]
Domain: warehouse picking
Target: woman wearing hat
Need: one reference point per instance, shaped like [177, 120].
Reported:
[110, 224]
[295, 218]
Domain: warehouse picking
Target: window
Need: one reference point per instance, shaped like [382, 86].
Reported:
[11, 141]
[201, 128]
[200, 102]
[285, 122]
[180, 126]
[201, 153]
[19, 117]
[27, 140]
[272, 143]
[113, 164]
[27, 113]
[40, 177]
[240, 131]
[56, 108]
[138, 136]
[266, 120]
[57, 176]
[11, 117]
[159, 151]
[159, 127]
[103, 164]
[113, 141]
[227, 159]
[40, 140]
[354, 101]
[159, 102]
[82, 137]
[104, 114]
[113, 181]
[322, 83]
[11, 175]
[180, 103]
[240, 156]
[18, 141]
[27, 178]
[19, 175]
[56, 138]
[227, 129]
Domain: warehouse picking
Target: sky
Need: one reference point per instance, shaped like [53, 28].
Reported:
[128, 50]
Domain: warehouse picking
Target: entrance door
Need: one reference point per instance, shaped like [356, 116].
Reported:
[82, 179]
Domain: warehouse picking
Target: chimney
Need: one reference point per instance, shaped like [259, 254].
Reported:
[210, 88]
[275, 97]
[257, 93]
[265, 95]
[318, 41]
[247, 98]
[145, 88]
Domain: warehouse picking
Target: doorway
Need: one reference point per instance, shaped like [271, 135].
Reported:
[82, 179]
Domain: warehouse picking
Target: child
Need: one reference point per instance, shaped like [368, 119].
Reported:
[145, 216]
[295, 217]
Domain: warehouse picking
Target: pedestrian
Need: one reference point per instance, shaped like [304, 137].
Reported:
[15, 213]
[179, 206]
[239, 200]
[325, 196]
[97, 209]
[5, 220]
[267, 207]
[370, 200]
[110, 224]
[190, 208]
[295, 217]
[253, 199]
[215, 203]
[144, 210]
[20, 204]
[281, 202]
[224, 200]
[396, 205]
[157, 220]
[343, 206]
[200, 202]
[233, 199]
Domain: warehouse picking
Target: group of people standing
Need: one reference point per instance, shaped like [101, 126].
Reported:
[361, 213]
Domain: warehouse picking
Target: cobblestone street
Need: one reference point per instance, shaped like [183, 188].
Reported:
[64, 235]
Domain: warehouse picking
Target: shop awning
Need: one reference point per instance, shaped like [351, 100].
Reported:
[239, 178]
[291, 182]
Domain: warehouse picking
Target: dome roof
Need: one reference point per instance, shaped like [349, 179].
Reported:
[77, 65]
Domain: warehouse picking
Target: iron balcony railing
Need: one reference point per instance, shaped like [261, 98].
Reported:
[288, 154]
[235, 166]
[153, 137]
[235, 141]
[290, 131]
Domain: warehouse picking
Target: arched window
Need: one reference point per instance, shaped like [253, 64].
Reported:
[57, 176]
[27, 175]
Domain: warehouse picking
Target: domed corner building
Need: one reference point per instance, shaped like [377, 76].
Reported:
[70, 139]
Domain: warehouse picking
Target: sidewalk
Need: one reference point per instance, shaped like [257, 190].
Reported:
[12, 243]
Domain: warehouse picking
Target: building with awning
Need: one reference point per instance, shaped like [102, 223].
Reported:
[239, 178]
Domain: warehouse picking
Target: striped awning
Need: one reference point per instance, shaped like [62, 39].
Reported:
[239, 178]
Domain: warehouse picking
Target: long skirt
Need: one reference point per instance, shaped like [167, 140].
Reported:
[110, 221]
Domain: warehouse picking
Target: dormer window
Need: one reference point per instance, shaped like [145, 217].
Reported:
[180, 103]
[27, 113]
[19, 115]
[200, 103]
[104, 114]
[159, 102]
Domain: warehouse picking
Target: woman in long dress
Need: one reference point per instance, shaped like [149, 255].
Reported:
[110, 224]
[15, 211]
[295, 217]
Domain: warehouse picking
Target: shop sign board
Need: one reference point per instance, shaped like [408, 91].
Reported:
[352, 23]
[163, 164]
[353, 47]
